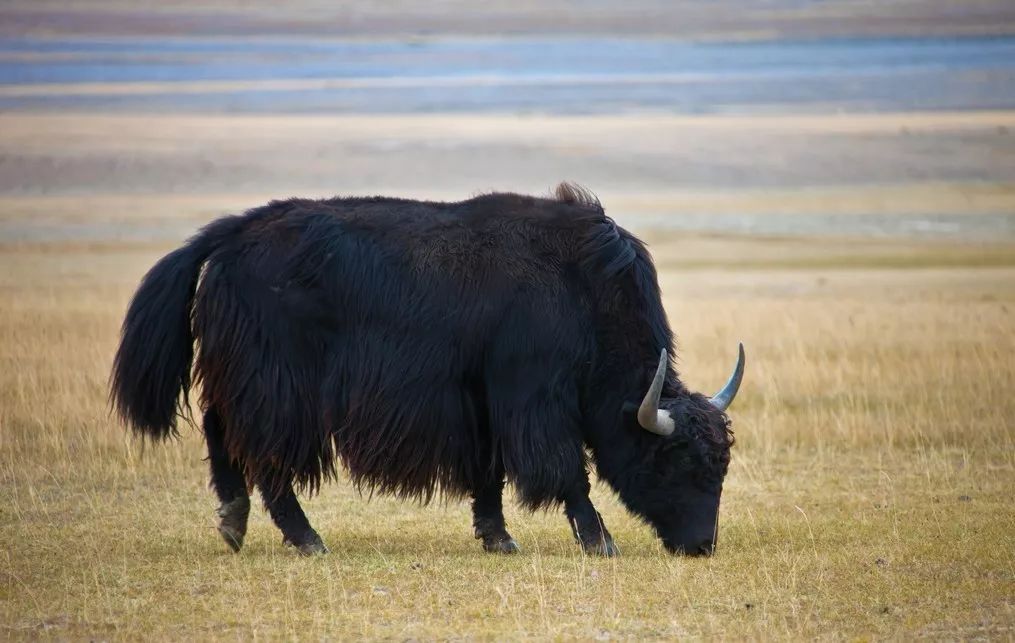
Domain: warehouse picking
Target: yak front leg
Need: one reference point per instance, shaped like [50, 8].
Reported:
[586, 523]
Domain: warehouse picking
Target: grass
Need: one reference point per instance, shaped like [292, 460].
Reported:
[870, 493]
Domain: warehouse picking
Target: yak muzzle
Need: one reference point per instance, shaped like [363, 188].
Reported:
[693, 549]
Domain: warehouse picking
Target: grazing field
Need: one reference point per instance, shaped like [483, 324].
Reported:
[832, 183]
[870, 493]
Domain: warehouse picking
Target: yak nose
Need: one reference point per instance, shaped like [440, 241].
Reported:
[704, 548]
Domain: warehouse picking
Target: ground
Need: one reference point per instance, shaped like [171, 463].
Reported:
[866, 258]
[869, 494]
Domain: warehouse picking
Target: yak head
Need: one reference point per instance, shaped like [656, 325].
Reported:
[678, 484]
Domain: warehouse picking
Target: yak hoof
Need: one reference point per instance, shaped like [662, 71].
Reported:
[507, 545]
[233, 521]
[495, 537]
[604, 547]
[310, 545]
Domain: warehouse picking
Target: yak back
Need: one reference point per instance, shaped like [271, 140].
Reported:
[427, 345]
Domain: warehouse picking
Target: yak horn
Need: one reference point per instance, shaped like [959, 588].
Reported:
[724, 398]
[649, 416]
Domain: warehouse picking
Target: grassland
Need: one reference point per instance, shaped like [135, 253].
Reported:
[870, 493]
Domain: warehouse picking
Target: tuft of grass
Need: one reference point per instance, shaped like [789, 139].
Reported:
[869, 495]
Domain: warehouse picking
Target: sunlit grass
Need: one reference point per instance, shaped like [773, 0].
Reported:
[870, 492]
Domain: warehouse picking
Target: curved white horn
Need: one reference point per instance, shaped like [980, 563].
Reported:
[724, 398]
[649, 416]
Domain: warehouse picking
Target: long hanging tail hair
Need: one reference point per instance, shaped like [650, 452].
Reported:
[151, 371]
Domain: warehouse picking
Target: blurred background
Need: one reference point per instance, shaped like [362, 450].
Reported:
[138, 120]
[830, 181]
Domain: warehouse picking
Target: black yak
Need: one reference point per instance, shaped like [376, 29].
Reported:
[432, 348]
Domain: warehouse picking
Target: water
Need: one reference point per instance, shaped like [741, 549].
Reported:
[571, 75]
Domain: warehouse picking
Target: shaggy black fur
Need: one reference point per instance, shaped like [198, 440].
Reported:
[431, 347]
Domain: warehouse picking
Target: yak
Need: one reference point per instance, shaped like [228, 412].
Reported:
[429, 348]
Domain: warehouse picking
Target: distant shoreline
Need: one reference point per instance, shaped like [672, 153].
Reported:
[532, 75]
[685, 19]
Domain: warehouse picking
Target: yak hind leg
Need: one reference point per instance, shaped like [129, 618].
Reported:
[488, 517]
[287, 514]
[586, 523]
[229, 484]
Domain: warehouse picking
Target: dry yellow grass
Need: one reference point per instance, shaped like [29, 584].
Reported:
[870, 493]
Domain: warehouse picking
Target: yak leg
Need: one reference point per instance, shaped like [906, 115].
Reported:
[586, 523]
[287, 514]
[488, 517]
[228, 482]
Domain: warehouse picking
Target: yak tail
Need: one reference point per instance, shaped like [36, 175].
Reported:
[151, 371]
